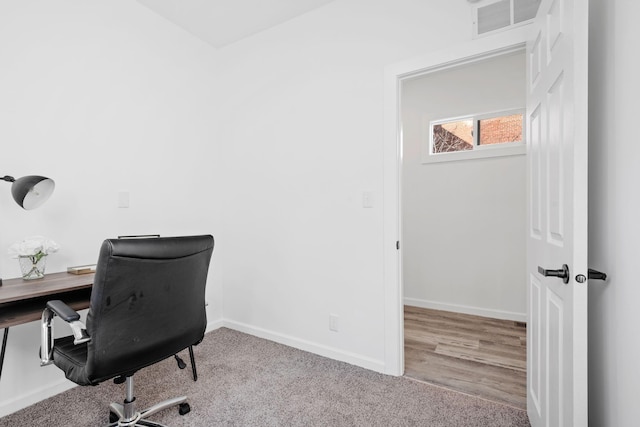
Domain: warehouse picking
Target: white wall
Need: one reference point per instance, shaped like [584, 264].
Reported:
[102, 97]
[463, 221]
[302, 121]
[614, 210]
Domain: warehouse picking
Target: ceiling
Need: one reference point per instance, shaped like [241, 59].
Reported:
[222, 22]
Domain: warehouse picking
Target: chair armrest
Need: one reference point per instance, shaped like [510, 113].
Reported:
[63, 311]
[67, 314]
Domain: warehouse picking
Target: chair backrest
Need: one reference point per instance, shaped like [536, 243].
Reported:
[147, 302]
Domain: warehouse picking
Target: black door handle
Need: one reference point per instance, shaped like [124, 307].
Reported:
[563, 273]
[596, 275]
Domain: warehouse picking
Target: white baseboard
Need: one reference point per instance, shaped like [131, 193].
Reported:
[457, 308]
[300, 344]
[20, 402]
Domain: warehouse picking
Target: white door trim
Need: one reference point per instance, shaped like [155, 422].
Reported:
[453, 56]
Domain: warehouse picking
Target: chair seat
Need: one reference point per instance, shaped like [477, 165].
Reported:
[71, 359]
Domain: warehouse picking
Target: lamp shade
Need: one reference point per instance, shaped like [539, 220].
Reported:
[32, 191]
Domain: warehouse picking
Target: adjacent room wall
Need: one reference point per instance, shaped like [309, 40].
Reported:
[102, 97]
[463, 241]
[614, 212]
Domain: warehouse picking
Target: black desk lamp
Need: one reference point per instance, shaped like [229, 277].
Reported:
[30, 191]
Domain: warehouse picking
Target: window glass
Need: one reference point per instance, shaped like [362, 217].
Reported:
[499, 130]
[453, 136]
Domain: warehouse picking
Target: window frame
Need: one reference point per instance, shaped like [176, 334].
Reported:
[478, 151]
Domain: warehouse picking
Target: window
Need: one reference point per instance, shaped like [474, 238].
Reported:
[483, 135]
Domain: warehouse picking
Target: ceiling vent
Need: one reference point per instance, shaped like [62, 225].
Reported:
[492, 16]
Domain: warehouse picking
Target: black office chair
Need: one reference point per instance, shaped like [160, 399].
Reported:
[179, 360]
[147, 304]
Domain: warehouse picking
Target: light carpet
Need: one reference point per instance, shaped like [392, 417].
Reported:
[249, 381]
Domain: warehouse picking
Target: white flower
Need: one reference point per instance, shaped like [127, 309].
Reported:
[33, 246]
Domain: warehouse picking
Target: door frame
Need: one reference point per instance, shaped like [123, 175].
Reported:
[453, 56]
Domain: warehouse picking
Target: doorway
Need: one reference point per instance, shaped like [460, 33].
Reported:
[394, 74]
[463, 226]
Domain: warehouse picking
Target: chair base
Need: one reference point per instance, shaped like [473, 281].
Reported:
[125, 414]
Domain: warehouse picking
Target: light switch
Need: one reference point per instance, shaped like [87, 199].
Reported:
[123, 199]
[367, 199]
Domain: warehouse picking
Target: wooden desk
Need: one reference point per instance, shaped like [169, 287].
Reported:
[23, 301]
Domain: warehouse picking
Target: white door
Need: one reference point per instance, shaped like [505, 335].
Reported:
[557, 233]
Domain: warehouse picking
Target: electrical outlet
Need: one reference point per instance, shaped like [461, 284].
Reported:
[334, 322]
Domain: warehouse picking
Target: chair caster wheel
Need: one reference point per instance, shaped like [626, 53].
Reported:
[113, 417]
[181, 363]
[184, 408]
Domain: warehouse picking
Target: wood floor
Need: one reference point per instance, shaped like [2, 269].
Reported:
[475, 355]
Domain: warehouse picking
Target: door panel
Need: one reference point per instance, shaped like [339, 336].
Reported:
[535, 202]
[555, 345]
[555, 168]
[534, 359]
